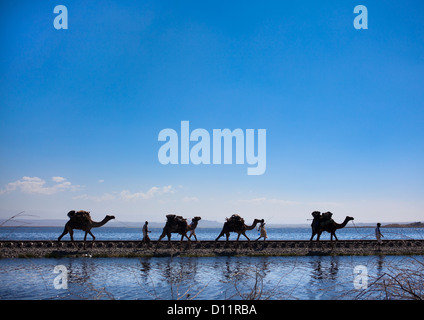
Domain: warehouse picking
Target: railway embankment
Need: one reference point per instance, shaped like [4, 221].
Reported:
[43, 249]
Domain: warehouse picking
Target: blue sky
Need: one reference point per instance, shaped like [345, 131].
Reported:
[81, 109]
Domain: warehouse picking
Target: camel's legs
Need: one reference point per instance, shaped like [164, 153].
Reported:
[227, 236]
[71, 233]
[85, 238]
[193, 234]
[64, 233]
[162, 236]
[89, 231]
[182, 237]
[91, 235]
[220, 235]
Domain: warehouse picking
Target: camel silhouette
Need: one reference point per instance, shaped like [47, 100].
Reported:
[324, 222]
[81, 220]
[236, 224]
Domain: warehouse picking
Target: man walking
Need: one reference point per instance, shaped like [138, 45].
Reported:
[146, 231]
[378, 234]
[262, 231]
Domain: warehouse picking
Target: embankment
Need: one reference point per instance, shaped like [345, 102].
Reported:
[38, 249]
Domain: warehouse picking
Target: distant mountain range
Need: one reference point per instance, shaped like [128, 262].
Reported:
[202, 224]
[406, 225]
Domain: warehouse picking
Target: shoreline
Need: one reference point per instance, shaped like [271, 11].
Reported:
[206, 248]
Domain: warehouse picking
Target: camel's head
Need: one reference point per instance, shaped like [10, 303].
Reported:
[350, 218]
[196, 218]
[110, 217]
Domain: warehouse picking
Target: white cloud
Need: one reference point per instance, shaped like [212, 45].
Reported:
[35, 185]
[100, 181]
[190, 199]
[127, 195]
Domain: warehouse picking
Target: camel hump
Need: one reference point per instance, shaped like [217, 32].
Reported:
[236, 220]
[236, 217]
[181, 221]
[175, 219]
[79, 215]
[170, 217]
[71, 213]
[326, 215]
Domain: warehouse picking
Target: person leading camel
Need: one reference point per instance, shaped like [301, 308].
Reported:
[262, 230]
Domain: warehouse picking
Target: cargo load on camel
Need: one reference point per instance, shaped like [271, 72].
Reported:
[235, 221]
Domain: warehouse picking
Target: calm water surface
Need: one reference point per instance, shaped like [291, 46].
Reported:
[308, 278]
[123, 233]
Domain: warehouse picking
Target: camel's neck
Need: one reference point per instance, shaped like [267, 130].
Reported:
[101, 223]
[193, 225]
[252, 226]
[342, 225]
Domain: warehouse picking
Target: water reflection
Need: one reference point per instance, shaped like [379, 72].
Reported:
[322, 271]
[193, 278]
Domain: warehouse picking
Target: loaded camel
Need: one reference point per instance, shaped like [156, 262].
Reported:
[324, 222]
[177, 224]
[81, 220]
[236, 224]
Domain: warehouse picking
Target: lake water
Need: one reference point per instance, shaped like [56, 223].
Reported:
[124, 233]
[212, 278]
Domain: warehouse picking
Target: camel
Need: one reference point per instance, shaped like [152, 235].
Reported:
[81, 220]
[192, 227]
[177, 224]
[324, 222]
[236, 224]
